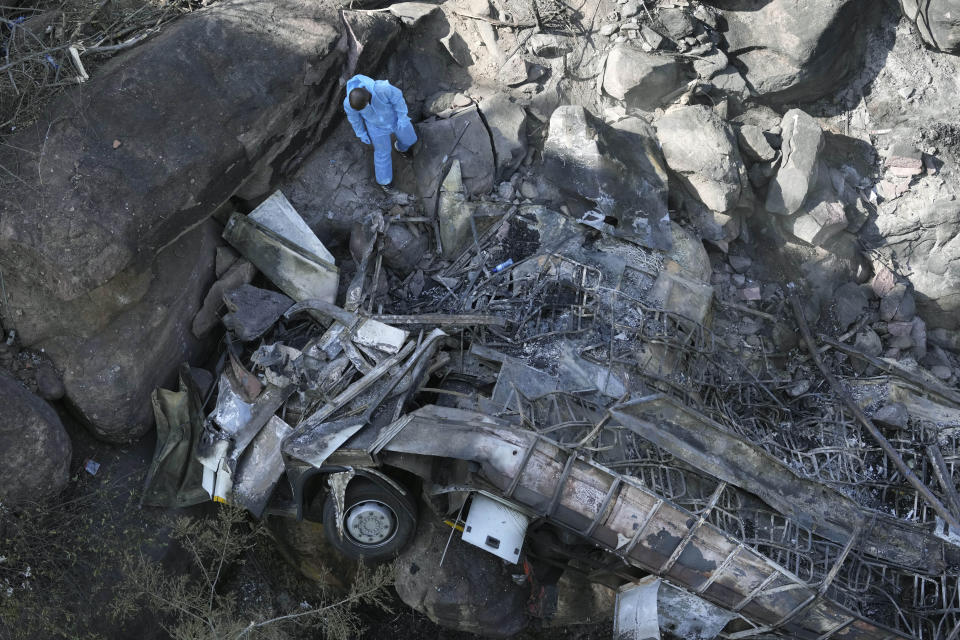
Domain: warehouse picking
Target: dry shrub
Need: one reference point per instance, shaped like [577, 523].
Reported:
[47, 45]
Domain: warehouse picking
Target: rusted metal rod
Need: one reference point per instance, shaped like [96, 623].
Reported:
[871, 428]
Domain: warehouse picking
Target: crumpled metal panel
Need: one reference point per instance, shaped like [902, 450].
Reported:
[619, 514]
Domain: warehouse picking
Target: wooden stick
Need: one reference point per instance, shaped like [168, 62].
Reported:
[941, 390]
[867, 424]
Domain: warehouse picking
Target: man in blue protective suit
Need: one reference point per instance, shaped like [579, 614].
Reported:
[376, 109]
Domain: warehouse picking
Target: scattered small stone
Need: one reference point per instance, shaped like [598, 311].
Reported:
[851, 302]
[738, 279]
[883, 282]
[750, 293]
[740, 264]
[868, 342]
[798, 388]
[651, 37]
[529, 190]
[893, 415]
[898, 305]
[899, 328]
[505, 191]
[905, 160]
[901, 342]
[609, 29]
[942, 372]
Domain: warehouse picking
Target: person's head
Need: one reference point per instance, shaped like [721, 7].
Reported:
[359, 98]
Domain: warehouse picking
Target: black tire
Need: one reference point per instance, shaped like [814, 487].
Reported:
[366, 507]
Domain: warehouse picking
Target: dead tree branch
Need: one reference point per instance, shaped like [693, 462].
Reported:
[867, 424]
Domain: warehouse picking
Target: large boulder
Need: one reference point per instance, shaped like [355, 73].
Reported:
[125, 169]
[620, 169]
[110, 374]
[799, 165]
[642, 80]
[701, 150]
[507, 122]
[938, 22]
[794, 50]
[923, 240]
[463, 136]
[34, 447]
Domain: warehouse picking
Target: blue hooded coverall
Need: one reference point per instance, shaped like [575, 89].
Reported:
[385, 114]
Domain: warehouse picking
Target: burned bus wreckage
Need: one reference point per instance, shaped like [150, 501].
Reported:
[546, 375]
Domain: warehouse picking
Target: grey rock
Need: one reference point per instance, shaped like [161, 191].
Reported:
[630, 8]
[529, 190]
[457, 48]
[802, 140]
[513, 72]
[403, 248]
[49, 384]
[642, 80]
[109, 375]
[711, 168]
[923, 238]
[677, 22]
[714, 226]
[505, 191]
[549, 46]
[898, 305]
[941, 371]
[754, 145]
[412, 13]
[740, 264]
[731, 82]
[710, 63]
[438, 138]
[761, 116]
[819, 223]
[904, 160]
[869, 342]
[83, 276]
[945, 339]
[444, 101]
[472, 591]
[894, 415]
[850, 303]
[936, 20]
[619, 168]
[609, 29]
[507, 122]
[918, 333]
[252, 311]
[653, 39]
[241, 272]
[901, 343]
[761, 173]
[34, 447]
[794, 50]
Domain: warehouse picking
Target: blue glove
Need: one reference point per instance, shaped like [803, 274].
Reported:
[364, 138]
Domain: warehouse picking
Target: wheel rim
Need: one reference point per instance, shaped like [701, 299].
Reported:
[371, 523]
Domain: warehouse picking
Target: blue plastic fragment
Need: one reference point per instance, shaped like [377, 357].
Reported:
[503, 265]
